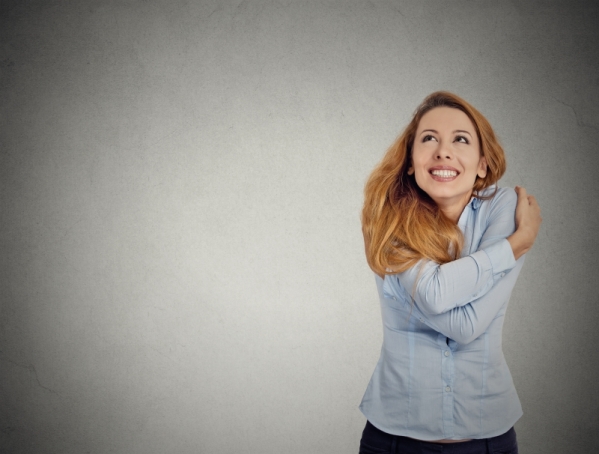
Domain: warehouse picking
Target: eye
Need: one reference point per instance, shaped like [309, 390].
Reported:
[461, 139]
[428, 137]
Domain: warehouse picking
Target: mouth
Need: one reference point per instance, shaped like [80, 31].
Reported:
[443, 173]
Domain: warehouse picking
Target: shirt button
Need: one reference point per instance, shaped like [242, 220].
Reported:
[446, 353]
[502, 274]
[447, 388]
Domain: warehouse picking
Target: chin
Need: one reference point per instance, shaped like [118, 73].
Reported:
[451, 197]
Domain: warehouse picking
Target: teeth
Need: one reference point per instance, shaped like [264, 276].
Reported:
[445, 173]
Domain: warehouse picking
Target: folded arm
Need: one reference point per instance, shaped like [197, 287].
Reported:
[465, 323]
[440, 288]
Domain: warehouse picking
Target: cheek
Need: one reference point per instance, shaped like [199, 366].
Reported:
[420, 177]
[418, 158]
[419, 163]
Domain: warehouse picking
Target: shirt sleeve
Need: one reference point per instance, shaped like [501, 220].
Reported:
[465, 324]
[440, 288]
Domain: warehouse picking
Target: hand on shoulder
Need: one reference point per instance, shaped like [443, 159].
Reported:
[528, 223]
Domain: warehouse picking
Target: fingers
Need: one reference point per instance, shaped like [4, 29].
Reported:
[523, 196]
[534, 206]
[521, 192]
[532, 202]
[523, 200]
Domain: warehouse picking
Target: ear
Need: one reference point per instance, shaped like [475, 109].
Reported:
[482, 167]
[411, 171]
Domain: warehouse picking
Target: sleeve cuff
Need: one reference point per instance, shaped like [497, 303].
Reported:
[501, 257]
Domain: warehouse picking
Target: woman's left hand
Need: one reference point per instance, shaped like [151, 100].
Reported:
[528, 223]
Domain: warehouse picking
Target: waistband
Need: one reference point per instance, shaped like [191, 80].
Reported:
[502, 443]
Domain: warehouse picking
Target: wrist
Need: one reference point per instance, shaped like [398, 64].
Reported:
[520, 243]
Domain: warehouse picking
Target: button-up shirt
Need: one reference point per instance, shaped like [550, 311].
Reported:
[442, 373]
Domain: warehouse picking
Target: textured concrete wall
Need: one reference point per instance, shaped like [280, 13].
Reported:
[181, 258]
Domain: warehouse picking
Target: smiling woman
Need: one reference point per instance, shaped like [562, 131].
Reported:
[446, 246]
[447, 161]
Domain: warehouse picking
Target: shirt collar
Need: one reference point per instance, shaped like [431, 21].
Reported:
[476, 202]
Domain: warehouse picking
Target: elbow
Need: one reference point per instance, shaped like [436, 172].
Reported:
[433, 303]
[464, 340]
[433, 296]
[431, 308]
[466, 335]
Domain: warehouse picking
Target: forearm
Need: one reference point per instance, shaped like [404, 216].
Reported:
[466, 323]
[439, 288]
[520, 242]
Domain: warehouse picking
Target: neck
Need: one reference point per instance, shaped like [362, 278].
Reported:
[453, 211]
[453, 215]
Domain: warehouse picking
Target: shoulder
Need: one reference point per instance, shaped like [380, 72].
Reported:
[497, 200]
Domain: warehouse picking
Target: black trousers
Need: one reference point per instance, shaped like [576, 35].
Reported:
[375, 441]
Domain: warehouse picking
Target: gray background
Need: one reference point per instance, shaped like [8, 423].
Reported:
[182, 266]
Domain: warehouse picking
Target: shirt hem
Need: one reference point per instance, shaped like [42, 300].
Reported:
[433, 437]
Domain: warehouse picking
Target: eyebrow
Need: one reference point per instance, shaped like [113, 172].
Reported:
[461, 130]
[453, 132]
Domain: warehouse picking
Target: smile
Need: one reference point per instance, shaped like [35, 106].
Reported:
[444, 173]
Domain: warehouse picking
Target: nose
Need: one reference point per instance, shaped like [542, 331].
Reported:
[444, 152]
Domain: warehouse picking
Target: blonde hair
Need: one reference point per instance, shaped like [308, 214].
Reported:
[401, 223]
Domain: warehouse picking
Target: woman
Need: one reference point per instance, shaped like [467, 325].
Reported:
[446, 246]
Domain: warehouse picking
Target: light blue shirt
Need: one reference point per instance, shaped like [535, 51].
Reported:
[442, 373]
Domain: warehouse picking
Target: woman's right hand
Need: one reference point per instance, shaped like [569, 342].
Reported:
[528, 223]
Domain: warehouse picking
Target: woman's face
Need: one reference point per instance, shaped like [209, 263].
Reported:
[446, 157]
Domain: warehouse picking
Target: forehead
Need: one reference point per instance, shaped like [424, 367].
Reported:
[446, 118]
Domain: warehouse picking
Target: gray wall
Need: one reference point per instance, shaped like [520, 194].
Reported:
[182, 267]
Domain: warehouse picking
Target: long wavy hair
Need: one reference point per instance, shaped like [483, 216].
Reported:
[400, 222]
